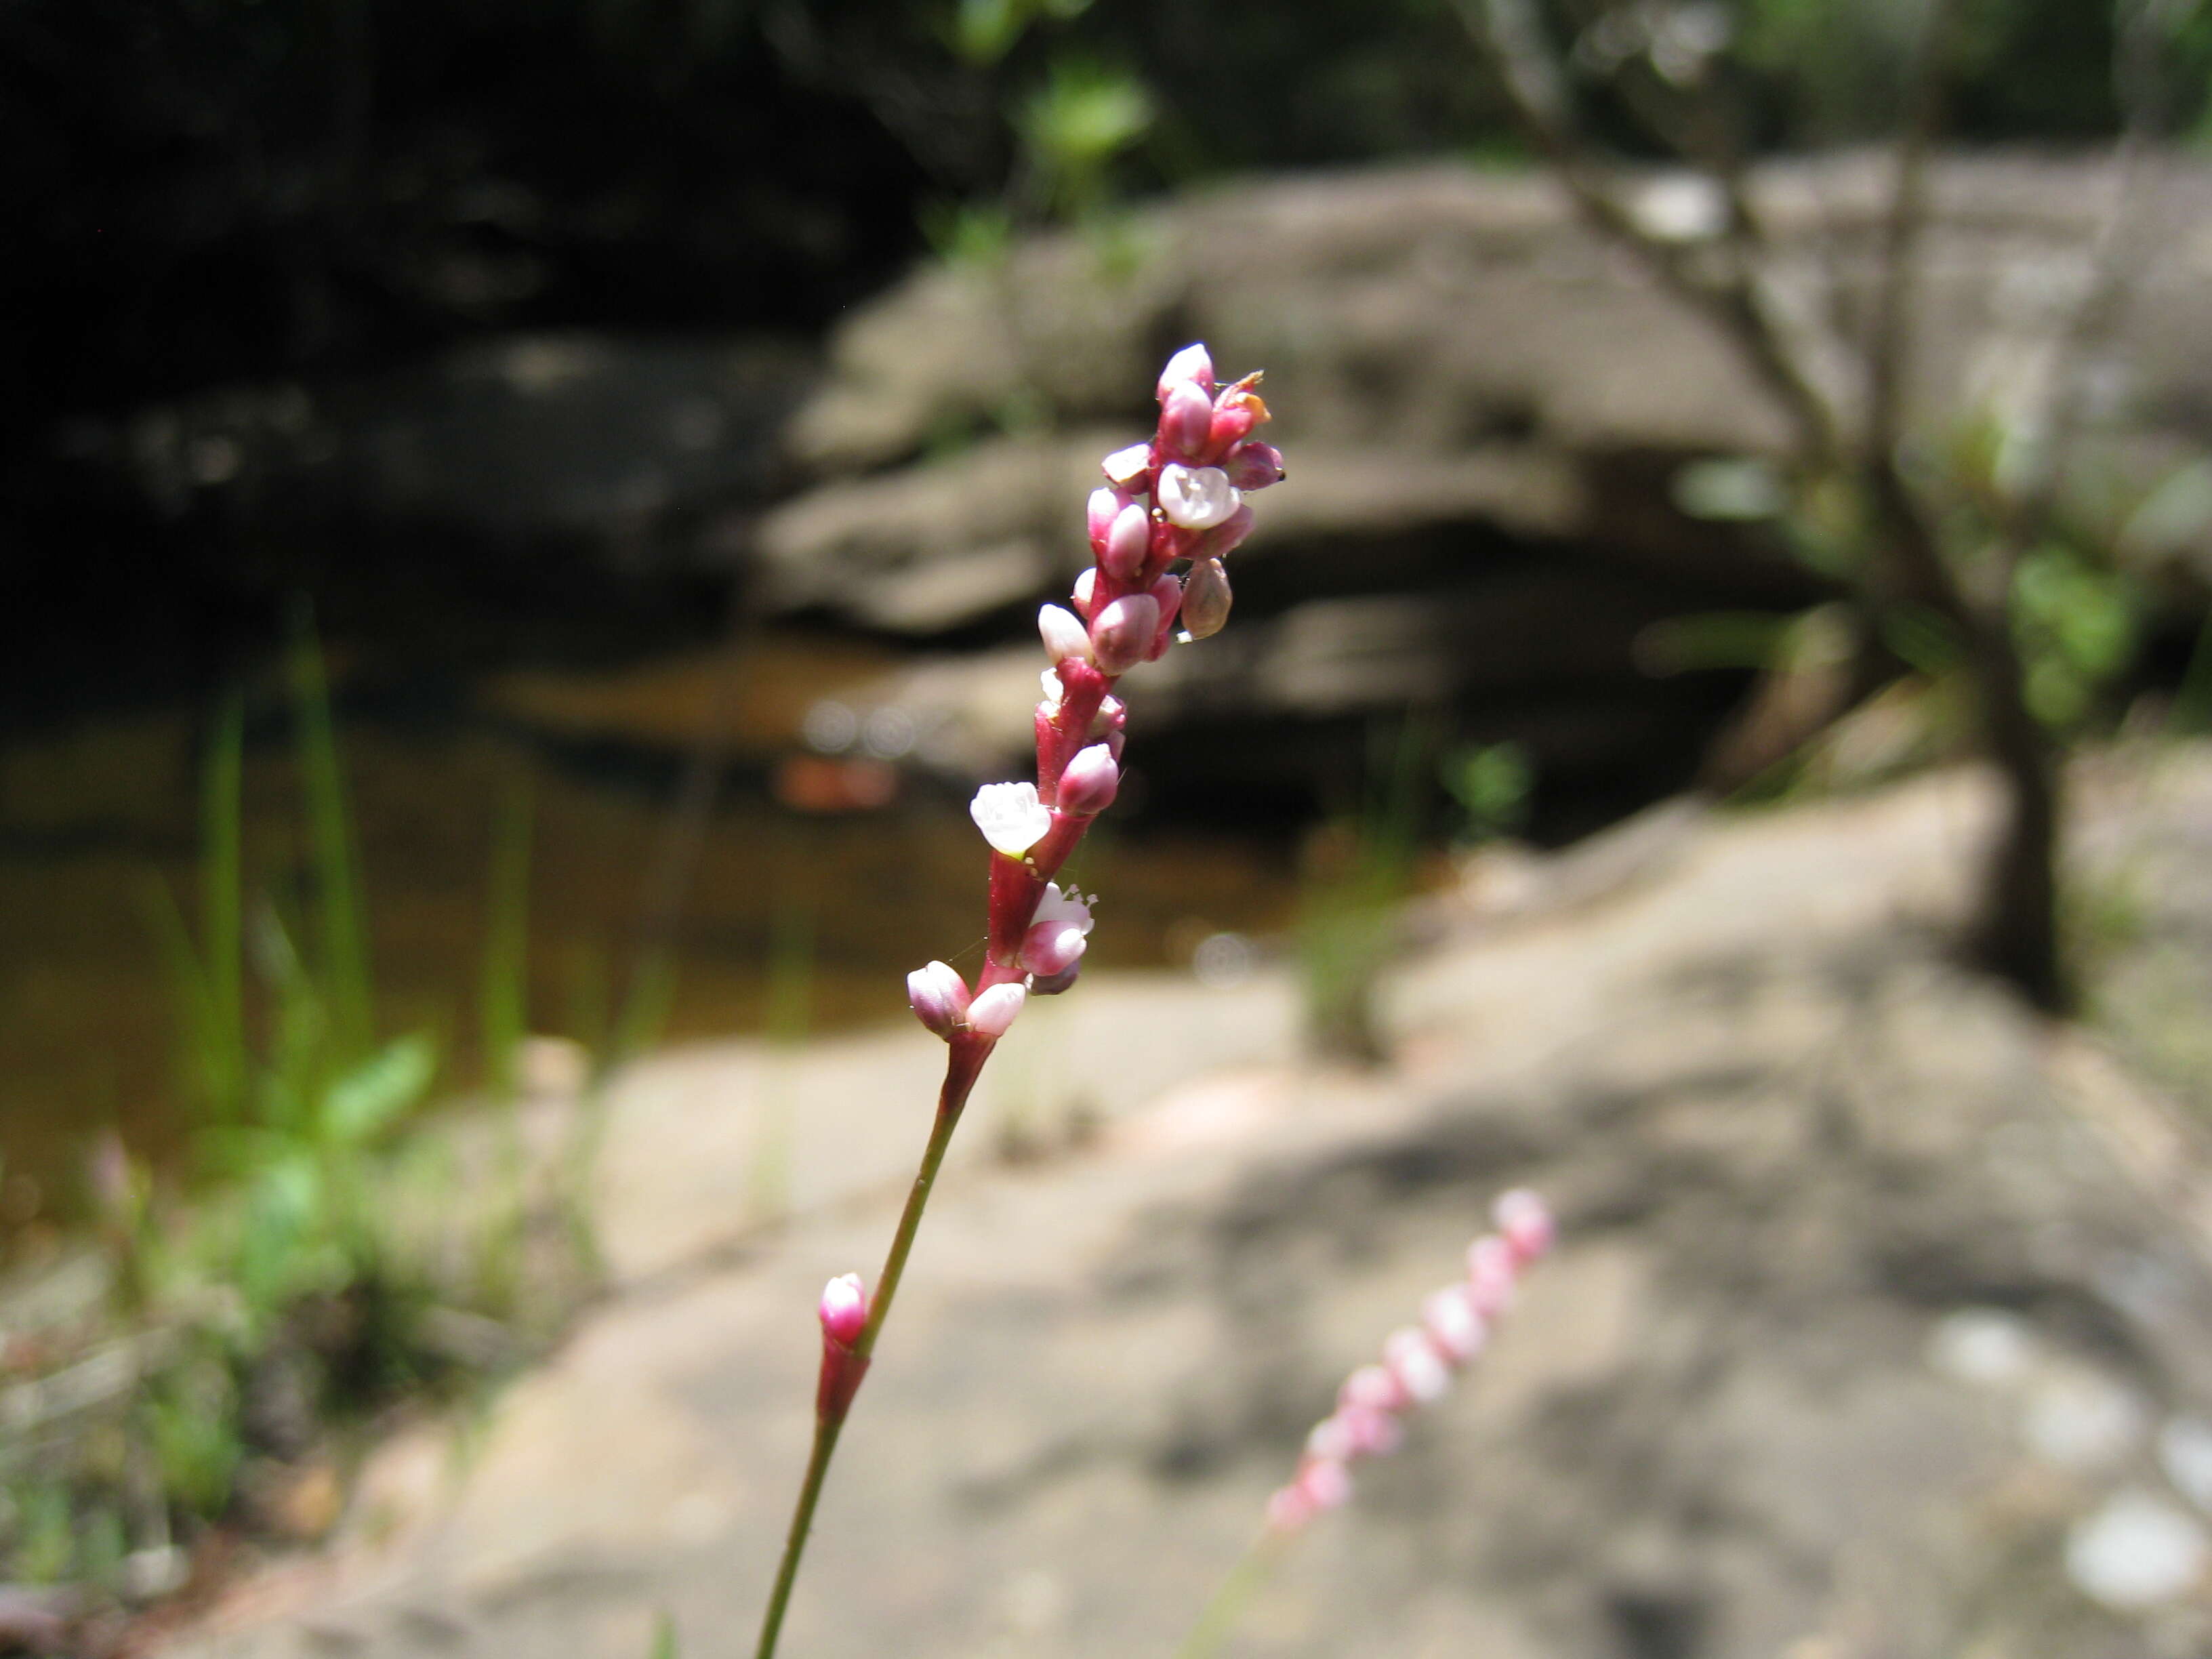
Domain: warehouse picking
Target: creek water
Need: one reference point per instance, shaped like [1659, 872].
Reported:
[97, 819]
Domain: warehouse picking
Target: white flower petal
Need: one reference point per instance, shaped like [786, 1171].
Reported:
[1010, 816]
[1196, 497]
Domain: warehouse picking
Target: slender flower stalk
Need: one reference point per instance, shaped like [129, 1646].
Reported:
[1418, 1364]
[1175, 505]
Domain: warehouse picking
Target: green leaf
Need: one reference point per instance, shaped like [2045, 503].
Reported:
[369, 1099]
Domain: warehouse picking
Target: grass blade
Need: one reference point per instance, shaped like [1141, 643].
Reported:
[503, 985]
[347, 977]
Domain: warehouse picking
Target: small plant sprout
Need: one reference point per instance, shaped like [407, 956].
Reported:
[1418, 1364]
[1168, 514]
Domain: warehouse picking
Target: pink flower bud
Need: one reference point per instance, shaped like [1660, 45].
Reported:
[992, 1013]
[1254, 465]
[1415, 1361]
[1167, 593]
[938, 997]
[1128, 540]
[1372, 1389]
[1205, 600]
[1196, 497]
[1370, 1433]
[844, 1310]
[1235, 414]
[1087, 585]
[1325, 1485]
[1185, 418]
[1224, 538]
[1100, 511]
[1126, 467]
[1123, 632]
[1490, 1274]
[1526, 1221]
[1087, 787]
[1113, 715]
[1453, 1325]
[1051, 948]
[1192, 362]
[1064, 635]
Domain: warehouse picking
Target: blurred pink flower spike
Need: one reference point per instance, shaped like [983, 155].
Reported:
[1418, 1363]
[1413, 1359]
[1525, 1220]
[1492, 1270]
[1453, 1325]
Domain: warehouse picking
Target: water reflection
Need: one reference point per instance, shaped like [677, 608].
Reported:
[881, 864]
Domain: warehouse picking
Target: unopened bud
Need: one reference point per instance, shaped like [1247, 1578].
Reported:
[938, 997]
[1415, 1361]
[1126, 467]
[1185, 418]
[1128, 540]
[992, 1013]
[1063, 634]
[1192, 362]
[1196, 497]
[1226, 536]
[1205, 600]
[1087, 787]
[1526, 1222]
[1081, 595]
[1123, 632]
[1254, 465]
[1099, 512]
[1235, 414]
[844, 1310]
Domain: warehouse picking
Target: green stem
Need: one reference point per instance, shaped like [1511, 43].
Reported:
[1237, 1589]
[964, 1061]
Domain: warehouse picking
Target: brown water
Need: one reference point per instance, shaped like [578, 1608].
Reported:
[92, 818]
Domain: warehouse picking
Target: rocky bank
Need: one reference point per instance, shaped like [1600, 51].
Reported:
[1882, 1323]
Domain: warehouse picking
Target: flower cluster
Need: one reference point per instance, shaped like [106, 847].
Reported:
[1418, 1363]
[1169, 511]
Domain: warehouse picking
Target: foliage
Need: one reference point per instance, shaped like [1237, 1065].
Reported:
[1359, 871]
[323, 1267]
